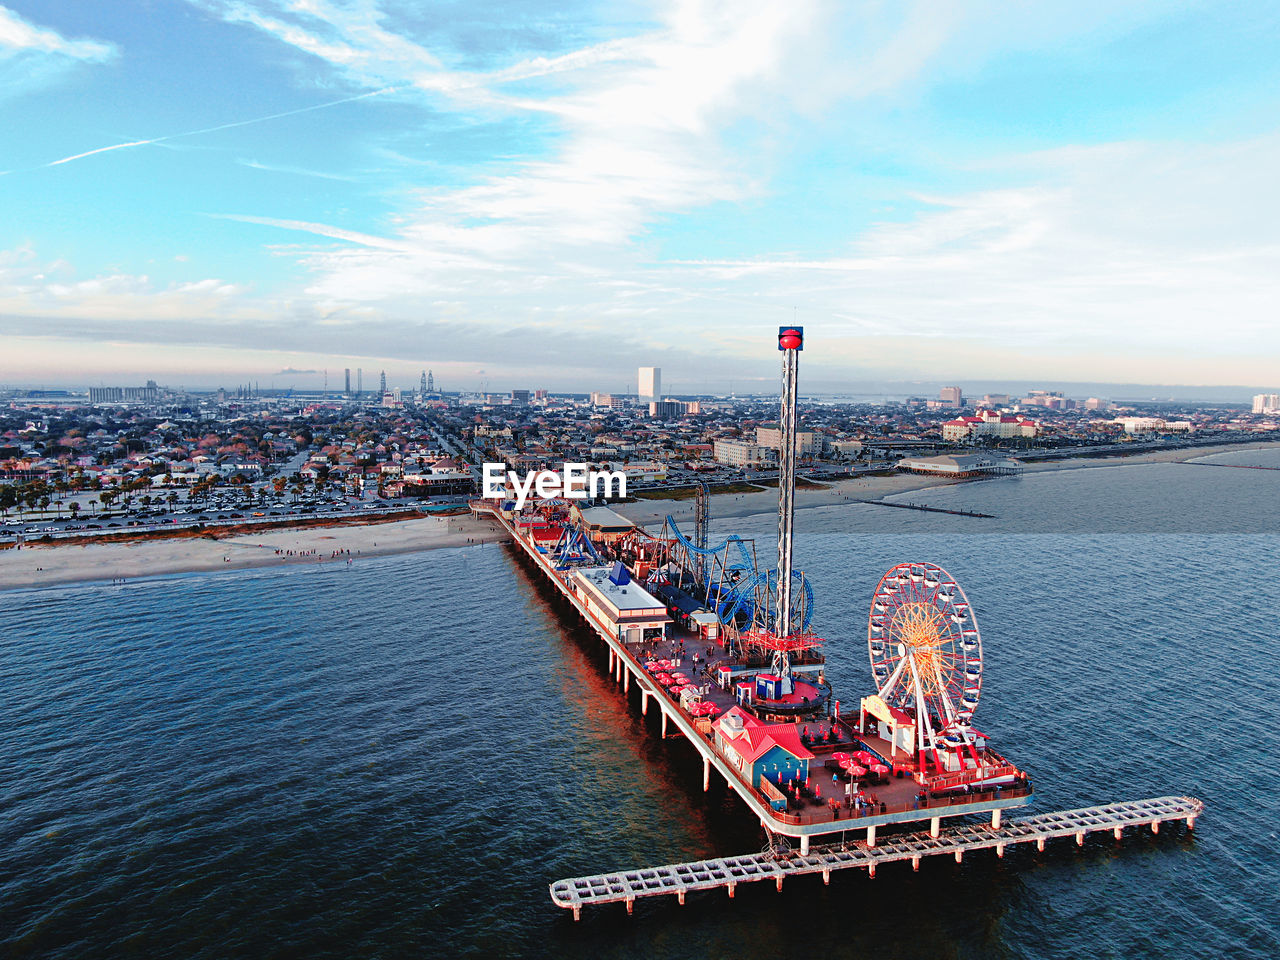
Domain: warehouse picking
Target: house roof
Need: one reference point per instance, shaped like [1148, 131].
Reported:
[758, 738]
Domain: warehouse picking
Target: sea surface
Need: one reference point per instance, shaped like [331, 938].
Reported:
[394, 759]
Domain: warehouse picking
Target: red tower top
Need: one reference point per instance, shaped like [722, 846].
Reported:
[791, 338]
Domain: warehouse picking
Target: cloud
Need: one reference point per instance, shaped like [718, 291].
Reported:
[17, 36]
[33, 56]
[291, 372]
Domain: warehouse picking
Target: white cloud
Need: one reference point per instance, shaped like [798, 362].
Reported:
[17, 35]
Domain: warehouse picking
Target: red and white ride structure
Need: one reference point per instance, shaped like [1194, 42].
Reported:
[926, 660]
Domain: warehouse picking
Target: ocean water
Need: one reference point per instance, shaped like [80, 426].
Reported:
[394, 759]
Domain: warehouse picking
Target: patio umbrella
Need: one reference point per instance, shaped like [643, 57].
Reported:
[839, 757]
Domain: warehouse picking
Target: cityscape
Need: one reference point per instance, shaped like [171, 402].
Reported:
[146, 456]
[658, 479]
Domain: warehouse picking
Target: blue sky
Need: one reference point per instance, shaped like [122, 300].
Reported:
[550, 194]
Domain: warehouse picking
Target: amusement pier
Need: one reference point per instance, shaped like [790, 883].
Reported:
[718, 641]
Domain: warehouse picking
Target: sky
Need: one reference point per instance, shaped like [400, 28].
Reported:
[549, 194]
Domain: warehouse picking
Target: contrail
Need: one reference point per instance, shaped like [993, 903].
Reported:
[221, 126]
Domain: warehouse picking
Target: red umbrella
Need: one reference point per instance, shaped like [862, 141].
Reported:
[839, 757]
[879, 769]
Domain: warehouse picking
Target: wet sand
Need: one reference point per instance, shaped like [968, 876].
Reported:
[40, 564]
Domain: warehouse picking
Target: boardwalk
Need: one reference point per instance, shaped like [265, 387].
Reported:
[727, 872]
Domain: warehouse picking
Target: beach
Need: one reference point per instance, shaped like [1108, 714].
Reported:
[48, 564]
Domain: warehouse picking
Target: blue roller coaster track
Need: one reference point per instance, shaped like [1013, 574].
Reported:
[740, 598]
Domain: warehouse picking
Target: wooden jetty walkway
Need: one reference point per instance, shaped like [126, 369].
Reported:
[1230, 466]
[727, 872]
[921, 506]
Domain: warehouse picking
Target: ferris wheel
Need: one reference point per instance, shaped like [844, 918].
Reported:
[926, 653]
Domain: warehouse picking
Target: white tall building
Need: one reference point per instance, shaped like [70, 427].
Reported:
[650, 383]
[1266, 403]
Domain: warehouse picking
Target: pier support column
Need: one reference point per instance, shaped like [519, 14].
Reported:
[778, 881]
[706, 775]
[631, 905]
[612, 657]
[1191, 823]
[577, 912]
[731, 885]
[959, 855]
[1000, 850]
[995, 819]
[1079, 838]
[915, 864]
[626, 680]
[871, 835]
[664, 723]
[1155, 826]
[1040, 844]
[804, 846]
[1116, 832]
[935, 826]
[644, 703]
[680, 897]
[871, 871]
[826, 878]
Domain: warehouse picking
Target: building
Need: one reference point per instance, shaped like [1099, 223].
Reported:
[1153, 425]
[808, 443]
[347, 378]
[988, 423]
[739, 453]
[382, 382]
[1262, 403]
[666, 409]
[650, 383]
[608, 400]
[846, 448]
[762, 751]
[952, 397]
[148, 394]
[960, 465]
[520, 397]
[612, 597]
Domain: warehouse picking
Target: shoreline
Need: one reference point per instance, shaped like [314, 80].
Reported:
[37, 564]
[872, 488]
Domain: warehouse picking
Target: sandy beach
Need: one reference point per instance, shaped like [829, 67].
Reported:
[38, 564]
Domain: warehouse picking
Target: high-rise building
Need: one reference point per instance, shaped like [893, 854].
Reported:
[382, 382]
[422, 384]
[431, 382]
[359, 380]
[347, 377]
[1266, 403]
[650, 383]
[951, 397]
[520, 397]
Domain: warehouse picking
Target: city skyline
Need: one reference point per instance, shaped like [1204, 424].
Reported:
[209, 192]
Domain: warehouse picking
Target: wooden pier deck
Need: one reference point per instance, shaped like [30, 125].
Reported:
[727, 872]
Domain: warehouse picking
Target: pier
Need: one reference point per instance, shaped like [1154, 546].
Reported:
[816, 818]
[726, 873]
[921, 506]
